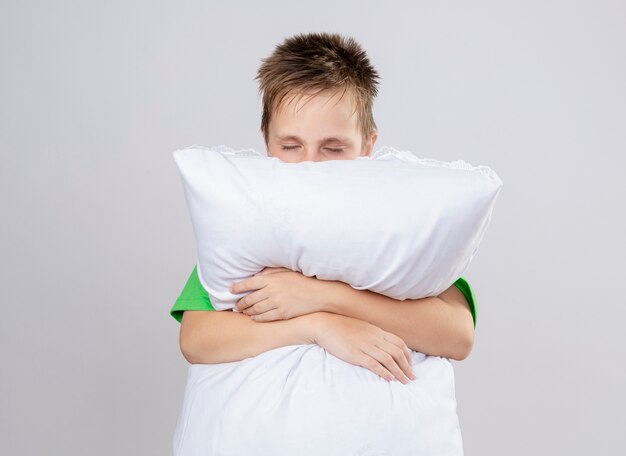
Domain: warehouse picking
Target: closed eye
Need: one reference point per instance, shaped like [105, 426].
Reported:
[327, 148]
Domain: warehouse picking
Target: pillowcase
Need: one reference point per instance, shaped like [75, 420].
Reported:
[393, 223]
[302, 400]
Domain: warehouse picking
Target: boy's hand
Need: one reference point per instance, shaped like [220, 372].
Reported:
[280, 294]
[364, 344]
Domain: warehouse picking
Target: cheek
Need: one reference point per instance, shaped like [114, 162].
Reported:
[273, 152]
[285, 157]
[350, 155]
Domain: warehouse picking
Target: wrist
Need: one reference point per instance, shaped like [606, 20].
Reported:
[331, 295]
[314, 324]
[306, 327]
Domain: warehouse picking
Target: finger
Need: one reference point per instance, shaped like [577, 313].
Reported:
[372, 364]
[258, 308]
[251, 299]
[271, 315]
[399, 356]
[400, 343]
[251, 283]
[388, 361]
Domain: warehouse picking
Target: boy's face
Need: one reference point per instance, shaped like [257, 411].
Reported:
[316, 128]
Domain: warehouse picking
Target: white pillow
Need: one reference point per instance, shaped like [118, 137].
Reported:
[302, 400]
[393, 223]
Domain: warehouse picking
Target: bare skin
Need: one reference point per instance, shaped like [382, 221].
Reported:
[284, 307]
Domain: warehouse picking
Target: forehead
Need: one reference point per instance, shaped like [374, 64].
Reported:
[324, 100]
[327, 113]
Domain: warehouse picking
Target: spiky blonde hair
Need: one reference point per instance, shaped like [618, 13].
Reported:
[314, 62]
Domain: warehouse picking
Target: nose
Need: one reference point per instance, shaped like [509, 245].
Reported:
[312, 155]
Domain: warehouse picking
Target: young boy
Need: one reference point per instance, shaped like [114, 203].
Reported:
[318, 91]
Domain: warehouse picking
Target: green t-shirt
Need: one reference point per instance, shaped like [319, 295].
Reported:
[195, 297]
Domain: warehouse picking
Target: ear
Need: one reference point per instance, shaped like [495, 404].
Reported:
[369, 145]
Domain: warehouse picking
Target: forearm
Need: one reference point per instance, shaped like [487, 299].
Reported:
[428, 325]
[208, 337]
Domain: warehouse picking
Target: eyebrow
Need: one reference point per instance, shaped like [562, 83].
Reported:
[296, 138]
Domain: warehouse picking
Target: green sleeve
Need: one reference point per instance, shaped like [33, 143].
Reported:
[193, 297]
[467, 291]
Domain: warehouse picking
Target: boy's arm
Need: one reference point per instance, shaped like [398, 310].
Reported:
[226, 336]
[440, 326]
[426, 325]
[208, 337]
